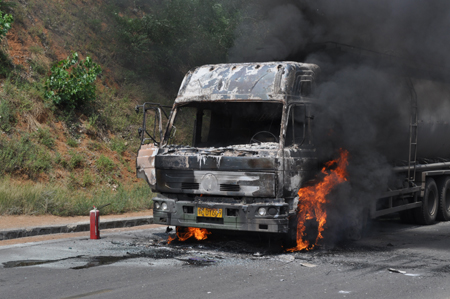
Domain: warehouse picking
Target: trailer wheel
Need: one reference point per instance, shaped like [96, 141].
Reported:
[444, 200]
[427, 212]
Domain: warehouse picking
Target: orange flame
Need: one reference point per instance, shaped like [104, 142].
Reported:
[184, 233]
[312, 200]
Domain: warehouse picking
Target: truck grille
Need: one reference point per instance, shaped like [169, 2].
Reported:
[229, 187]
[191, 186]
[208, 182]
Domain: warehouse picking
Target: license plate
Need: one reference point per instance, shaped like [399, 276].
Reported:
[207, 212]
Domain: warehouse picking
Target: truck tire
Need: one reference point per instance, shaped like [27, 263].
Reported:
[427, 212]
[444, 200]
[290, 239]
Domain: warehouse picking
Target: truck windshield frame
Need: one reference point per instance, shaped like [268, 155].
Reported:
[226, 123]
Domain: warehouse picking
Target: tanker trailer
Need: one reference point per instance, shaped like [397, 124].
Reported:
[426, 199]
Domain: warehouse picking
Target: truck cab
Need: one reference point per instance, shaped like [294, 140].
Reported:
[235, 149]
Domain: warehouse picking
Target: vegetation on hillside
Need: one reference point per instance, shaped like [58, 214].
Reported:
[67, 140]
[71, 82]
[5, 22]
[171, 37]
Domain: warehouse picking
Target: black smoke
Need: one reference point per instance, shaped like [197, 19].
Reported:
[399, 50]
[275, 30]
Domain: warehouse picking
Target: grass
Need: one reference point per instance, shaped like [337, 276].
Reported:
[36, 49]
[23, 156]
[92, 123]
[87, 179]
[37, 173]
[118, 145]
[105, 165]
[38, 67]
[94, 146]
[7, 118]
[72, 142]
[39, 199]
[45, 137]
[6, 65]
[76, 160]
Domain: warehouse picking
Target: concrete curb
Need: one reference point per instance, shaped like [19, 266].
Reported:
[75, 227]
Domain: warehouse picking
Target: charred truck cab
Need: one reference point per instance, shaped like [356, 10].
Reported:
[236, 149]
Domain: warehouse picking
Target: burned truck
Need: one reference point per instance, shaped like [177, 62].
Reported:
[237, 146]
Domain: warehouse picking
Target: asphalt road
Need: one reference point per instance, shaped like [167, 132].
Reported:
[138, 264]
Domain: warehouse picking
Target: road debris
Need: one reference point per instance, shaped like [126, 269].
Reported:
[286, 258]
[397, 271]
[197, 261]
[308, 265]
[344, 292]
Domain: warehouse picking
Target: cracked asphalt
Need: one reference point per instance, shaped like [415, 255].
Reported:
[393, 260]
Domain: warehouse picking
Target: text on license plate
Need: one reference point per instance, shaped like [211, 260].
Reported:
[207, 212]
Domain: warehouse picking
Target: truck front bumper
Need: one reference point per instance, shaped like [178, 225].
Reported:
[226, 216]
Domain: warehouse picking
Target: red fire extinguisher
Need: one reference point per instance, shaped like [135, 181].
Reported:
[95, 214]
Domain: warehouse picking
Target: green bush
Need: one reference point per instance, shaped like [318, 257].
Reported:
[72, 142]
[118, 145]
[45, 137]
[71, 82]
[87, 179]
[92, 123]
[5, 22]
[76, 160]
[7, 118]
[104, 164]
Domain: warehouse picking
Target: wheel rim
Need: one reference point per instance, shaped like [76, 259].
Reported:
[432, 202]
[447, 200]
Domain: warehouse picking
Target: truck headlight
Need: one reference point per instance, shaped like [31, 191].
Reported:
[164, 206]
[273, 211]
[262, 211]
[157, 205]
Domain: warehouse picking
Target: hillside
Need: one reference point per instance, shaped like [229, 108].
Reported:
[62, 161]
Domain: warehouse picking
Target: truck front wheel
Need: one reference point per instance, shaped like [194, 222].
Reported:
[444, 200]
[290, 239]
[427, 212]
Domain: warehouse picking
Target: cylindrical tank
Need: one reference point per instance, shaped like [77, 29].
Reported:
[433, 140]
[94, 223]
[433, 102]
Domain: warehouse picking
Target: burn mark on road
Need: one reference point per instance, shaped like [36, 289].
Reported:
[95, 261]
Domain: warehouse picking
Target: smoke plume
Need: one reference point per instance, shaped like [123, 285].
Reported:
[364, 108]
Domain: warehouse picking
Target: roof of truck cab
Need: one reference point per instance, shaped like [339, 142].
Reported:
[271, 81]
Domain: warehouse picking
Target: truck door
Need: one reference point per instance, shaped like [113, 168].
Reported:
[151, 136]
[299, 152]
